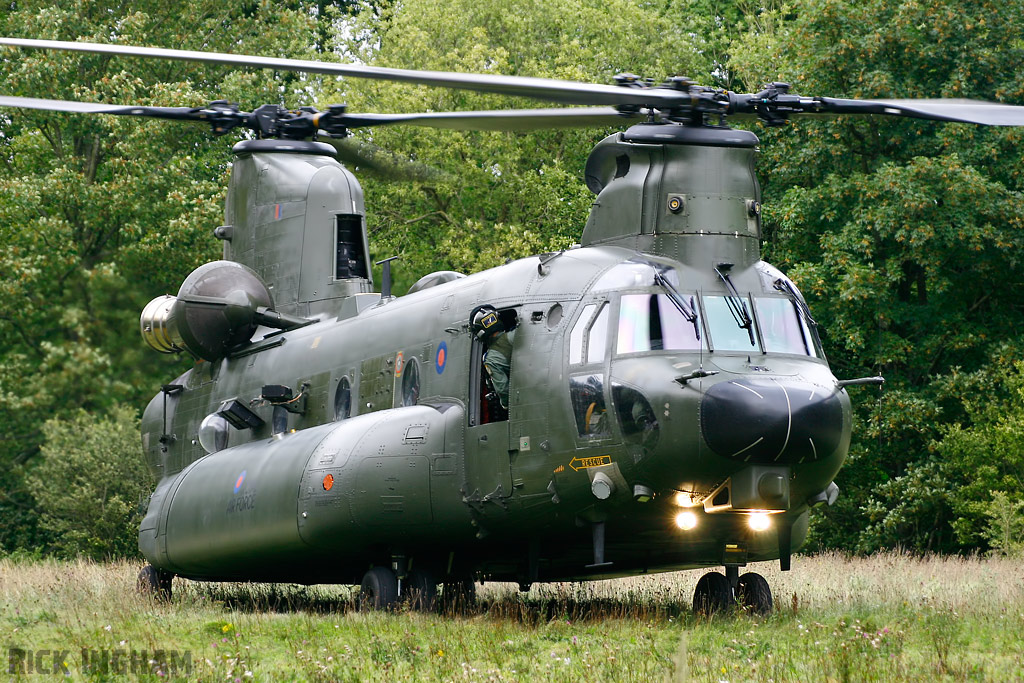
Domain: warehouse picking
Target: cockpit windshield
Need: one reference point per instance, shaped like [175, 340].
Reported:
[651, 322]
[726, 333]
[662, 318]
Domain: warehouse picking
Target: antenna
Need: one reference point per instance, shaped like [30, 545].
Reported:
[385, 285]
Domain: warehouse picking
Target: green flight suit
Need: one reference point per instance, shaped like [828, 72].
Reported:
[498, 361]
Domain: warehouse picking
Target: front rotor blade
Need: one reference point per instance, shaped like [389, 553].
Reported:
[566, 92]
[173, 113]
[502, 119]
[963, 111]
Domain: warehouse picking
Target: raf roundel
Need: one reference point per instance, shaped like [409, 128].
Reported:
[240, 481]
[441, 358]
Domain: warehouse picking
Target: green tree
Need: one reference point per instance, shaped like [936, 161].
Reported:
[1005, 530]
[905, 235]
[982, 454]
[90, 483]
[100, 214]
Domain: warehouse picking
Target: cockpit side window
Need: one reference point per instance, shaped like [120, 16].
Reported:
[576, 337]
[781, 327]
[597, 337]
[588, 340]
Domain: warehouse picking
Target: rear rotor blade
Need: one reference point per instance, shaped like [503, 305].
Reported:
[368, 157]
[566, 92]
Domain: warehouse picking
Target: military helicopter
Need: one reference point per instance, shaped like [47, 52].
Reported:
[668, 404]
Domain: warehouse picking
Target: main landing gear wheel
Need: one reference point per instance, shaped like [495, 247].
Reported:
[155, 582]
[754, 593]
[379, 589]
[420, 590]
[712, 594]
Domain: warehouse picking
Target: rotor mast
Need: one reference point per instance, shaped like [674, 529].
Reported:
[688, 193]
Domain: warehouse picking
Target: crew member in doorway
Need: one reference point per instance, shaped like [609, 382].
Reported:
[498, 354]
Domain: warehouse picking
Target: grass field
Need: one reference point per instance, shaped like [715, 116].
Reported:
[886, 617]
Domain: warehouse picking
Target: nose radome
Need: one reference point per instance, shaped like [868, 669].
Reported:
[771, 420]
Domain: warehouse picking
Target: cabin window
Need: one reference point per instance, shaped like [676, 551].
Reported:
[588, 405]
[343, 399]
[411, 382]
[651, 322]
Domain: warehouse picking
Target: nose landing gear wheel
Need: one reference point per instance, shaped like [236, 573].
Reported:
[379, 589]
[754, 593]
[712, 594]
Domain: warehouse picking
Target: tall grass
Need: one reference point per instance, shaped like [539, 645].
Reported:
[885, 617]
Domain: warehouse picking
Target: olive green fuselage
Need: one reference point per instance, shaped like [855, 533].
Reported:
[640, 410]
[427, 481]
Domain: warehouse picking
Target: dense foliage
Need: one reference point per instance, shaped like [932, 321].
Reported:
[904, 235]
[100, 214]
[501, 195]
[90, 485]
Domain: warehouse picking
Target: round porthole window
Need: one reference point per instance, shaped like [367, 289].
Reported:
[411, 383]
[213, 433]
[343, 400]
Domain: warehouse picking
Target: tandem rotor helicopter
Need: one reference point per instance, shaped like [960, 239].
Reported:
[653, 399]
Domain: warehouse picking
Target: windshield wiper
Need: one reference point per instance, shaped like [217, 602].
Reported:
[786, 287]
[688, 310]
[737, 306]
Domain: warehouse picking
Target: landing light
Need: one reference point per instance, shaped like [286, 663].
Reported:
[685, 499]
[759, 521]
[686, 520]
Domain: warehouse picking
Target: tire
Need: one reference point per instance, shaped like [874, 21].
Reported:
[457, 596]
[712, 594]
[755, 594]
[155, 582]
[379, 589]
[420, 590]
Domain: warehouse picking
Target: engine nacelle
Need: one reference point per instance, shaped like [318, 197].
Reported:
[218, 307]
